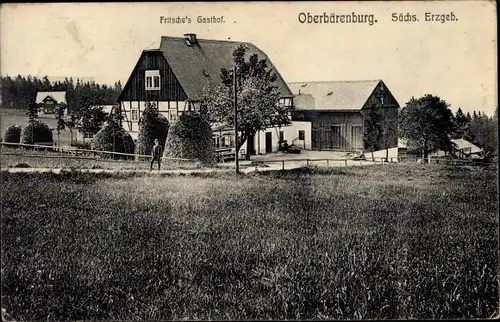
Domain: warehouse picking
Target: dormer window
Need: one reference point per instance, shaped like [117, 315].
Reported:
[152, 80]
[381, 101]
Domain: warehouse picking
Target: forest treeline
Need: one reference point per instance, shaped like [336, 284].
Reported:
[18, 92]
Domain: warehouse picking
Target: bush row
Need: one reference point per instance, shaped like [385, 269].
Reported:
[36, 131]
[190, 137]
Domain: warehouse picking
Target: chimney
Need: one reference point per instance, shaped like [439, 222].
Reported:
[191, 38]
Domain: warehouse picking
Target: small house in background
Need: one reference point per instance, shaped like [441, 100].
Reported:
[338, 111]
[49, 101]
[464, 149]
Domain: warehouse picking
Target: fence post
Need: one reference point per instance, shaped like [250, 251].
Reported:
[307, 162]
[327, 162]
[345, 163]
[283, 165]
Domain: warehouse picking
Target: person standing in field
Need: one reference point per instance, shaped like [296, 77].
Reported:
[156, 153]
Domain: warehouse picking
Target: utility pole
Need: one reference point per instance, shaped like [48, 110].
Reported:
[235, 92]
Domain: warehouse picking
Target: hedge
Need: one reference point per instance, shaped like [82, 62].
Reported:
[36, 131]
[113, 138]
[12, 134]
[191, 138]
[153, 126]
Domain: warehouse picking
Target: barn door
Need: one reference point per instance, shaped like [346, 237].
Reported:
[316, 142]
[357, 137]
[336, 136]
[327, 139]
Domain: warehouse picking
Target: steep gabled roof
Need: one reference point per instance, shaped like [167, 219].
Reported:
[334, 95]
[200, 63]
[59, 97]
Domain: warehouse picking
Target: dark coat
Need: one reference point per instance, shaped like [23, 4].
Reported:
[157, 152]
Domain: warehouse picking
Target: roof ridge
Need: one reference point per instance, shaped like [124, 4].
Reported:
[337, 81]
[210, 40]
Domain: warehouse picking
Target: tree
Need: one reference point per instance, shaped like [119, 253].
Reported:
[484, 132]
[152, 125]
[36, 131]
[71, 124]
[190, 138]
[12, 134]
[462, 126]
[427, 123]
[112, 137]
[60, 117]
[257, 97]
[373, 129]
[90, 107]
[389, 135]
[33, 112]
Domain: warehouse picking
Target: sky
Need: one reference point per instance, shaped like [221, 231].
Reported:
[456, 60]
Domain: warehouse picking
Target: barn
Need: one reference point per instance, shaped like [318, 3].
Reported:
[173, 78]
[338, 111]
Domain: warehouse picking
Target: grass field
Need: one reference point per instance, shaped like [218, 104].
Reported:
[381, 242]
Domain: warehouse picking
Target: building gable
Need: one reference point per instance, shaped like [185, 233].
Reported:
[135, 87]
[382, 96]
[56, 97]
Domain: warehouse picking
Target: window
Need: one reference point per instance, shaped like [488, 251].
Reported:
[88, 135]
[302, 135]
[282, 135]
[381, 101]
[134, 115]
[152, 80]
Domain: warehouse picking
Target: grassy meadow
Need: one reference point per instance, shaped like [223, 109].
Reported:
[379, 242]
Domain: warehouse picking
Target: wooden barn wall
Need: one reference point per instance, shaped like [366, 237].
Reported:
[332, 130]
[170, 88]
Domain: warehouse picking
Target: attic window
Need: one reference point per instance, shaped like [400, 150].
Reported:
[152, 80]
[188, 43]
[329, 93]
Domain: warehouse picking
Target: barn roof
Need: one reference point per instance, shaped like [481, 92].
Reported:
[464, 145]
[199, 63]
[59, 97]
[333, 95]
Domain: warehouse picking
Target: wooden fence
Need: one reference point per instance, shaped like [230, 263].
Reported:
[58, 152]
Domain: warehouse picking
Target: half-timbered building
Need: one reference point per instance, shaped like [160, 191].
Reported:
[174, 76]
[339, 110]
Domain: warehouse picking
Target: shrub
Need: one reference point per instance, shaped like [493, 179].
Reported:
[36, 131]
[112, 137]
[153, 125]
[13, 134]
[191, 138]
[22, 165]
